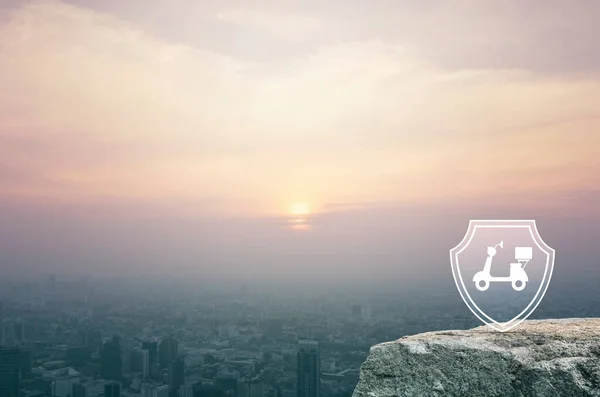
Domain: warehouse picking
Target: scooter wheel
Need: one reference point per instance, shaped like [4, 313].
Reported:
[518, 285]
[482, 285]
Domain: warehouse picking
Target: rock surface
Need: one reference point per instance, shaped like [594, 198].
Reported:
[536, 358]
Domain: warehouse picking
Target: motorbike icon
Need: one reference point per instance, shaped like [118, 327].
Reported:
[517, 277]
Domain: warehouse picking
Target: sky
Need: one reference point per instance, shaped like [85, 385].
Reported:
[142, 136]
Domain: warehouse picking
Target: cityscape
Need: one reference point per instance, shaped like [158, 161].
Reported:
[243, 198]
[173, 338]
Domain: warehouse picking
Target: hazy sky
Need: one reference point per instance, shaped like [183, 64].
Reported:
[138, 134]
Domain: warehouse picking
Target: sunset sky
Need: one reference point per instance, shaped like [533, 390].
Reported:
[114, 112]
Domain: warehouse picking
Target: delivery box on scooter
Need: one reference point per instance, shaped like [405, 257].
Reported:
[523, 253]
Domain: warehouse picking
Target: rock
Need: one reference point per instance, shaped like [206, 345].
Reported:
[537, 358]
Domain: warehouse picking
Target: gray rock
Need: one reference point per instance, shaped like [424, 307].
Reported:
[536, 358]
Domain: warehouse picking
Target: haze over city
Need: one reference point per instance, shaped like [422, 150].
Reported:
[236, 198]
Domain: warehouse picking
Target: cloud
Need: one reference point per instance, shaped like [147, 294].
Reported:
[297, 27]
[98, 104]
[541, 36]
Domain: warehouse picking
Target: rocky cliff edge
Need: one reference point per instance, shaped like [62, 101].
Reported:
[537, 358]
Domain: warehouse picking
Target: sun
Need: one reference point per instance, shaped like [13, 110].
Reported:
[300, 208]
[300, 213]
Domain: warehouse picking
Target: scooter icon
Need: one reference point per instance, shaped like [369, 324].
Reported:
[518, 277]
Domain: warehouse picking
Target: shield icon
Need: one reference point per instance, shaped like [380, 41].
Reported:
[502, 269]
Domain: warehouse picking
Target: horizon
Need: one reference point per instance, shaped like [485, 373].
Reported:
[291, 139]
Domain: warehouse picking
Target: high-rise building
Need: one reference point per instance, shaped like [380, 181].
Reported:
[112, 389]
[127, 357]
[254, 387]
[176, 375]
[167, 351]
[136, 363]
[111, 361]
[145, 353]
[309, 369]
[10, 360]
[25, 363]
[152, 347]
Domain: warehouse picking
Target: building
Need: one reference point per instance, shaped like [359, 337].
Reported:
[112, 389]
[176, 375]
[253, 388]
[79, 390]
[62, 381]
[146, 390]
[111, 362]
[186, 390]
[150, 390]
[161, 391]
[10, 360]
[90, 388]
[146, 373]
[25, 363]
[228, 385]
[152, 347]
[167, 351]
[127, 356]
[308, 380]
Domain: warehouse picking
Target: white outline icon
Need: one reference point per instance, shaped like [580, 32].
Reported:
[518, 277]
